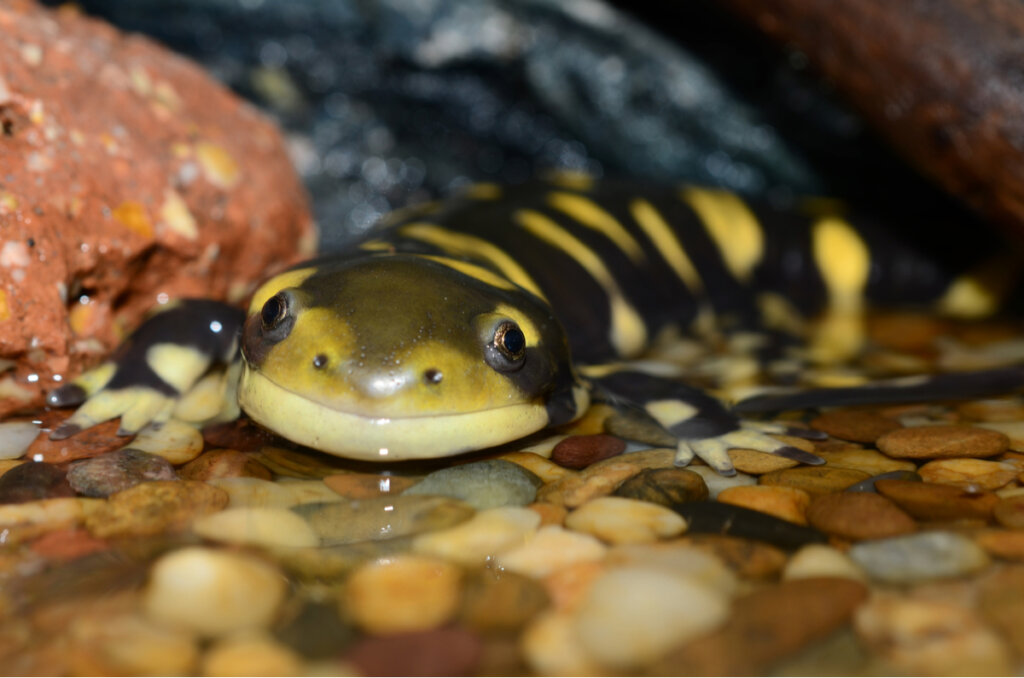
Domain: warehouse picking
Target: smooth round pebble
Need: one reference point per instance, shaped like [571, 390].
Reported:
[815, 480]
[250, 654]
[32, 481]
[664, 486]
[257, 527]
[499, 602]
[15, 437]
[868, 484]
[254, 492]
[871, 462]
[758, 463]
[859, 515]
[402, 594]
[173, 440]
[482, 537]
[543, 468]
[577, 452]
[677, 558]
[118, 470]
[551, 548]
[160, 506]
[213, 592]
[128, 644]
[1009, 511]
[917, 557]
[977, 474]
[552, 647]
[633, 615]
[368, 485]
[1006, 544]
[942, 441]
[856, 425]
[356, 520]
[482, 484]
[787, 503]
[625, 521]
[932, 501]
[819, 560]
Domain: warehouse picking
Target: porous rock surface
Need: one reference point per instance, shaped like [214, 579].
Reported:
[127, 177]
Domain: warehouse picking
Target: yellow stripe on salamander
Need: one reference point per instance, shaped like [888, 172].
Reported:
[590, 214]
[732, 226]
[628, 331]
[658, 230]
[844, 264]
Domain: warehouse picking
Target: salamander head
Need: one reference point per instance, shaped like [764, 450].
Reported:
[390, 357]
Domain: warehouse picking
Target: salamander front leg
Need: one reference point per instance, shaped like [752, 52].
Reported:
[167, 363]
[701, 424]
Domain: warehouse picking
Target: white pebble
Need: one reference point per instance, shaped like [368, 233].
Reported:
[633, 615]
[678, 559]
[258, 527]
[551, 548]
[213, 592]
[551, 647]
[482, 537]
[625, 521]
[15, 437]
[818, 560]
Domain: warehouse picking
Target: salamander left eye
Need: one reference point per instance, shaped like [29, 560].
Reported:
[507, 349]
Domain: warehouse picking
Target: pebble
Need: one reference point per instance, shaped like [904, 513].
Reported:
[254, 492]
[250, 654]
[746, 557]
[550, 514]
[439, 652]
[930, 637]
[402, 594]
[664, 486]
[257, 527]
[633, 615]
[155, 507]
[316, 631]
[1014, 430]
[551, 647]
[913, 558]
[719, 518]
[995, 409]
[173, 440]
[1000, 602]
[61, 512]
[118, 470]
[976, 474]
[546, 470]
[857, 425]
[224, 463]
[604, 477]
[930, 442]
[482, 537]
[551, 548]
[499, 602]
[677, 558]
[716, 482]
[625, 521]
[869, 461]
[308, 491]
[931, 501]
[88, 443]
[1009, 511]
[859, 515]
[580, 451]
[15, 437]
[33, 481]
[7, 464]
[787, 503]
[758, 463]
[868, 485]
[481, 484]
[368, 485]
[213, 592]
[566, 586]
[128, 644]
[819, 560]
[1006, 544]
[815, 480]
[768, 625]
[346, 522]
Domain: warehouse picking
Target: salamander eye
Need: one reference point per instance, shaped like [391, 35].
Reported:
[507, 350]
[274, 311]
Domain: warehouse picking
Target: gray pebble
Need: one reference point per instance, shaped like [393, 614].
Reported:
[352, 521]
[118, 470]
[917, 557]
[482, 484]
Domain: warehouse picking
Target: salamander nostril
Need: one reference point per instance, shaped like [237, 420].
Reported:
[320, 361]
[432, 376]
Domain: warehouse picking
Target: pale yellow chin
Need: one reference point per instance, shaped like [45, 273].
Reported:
[379, 439]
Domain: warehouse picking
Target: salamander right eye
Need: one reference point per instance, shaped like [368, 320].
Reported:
[274, 312]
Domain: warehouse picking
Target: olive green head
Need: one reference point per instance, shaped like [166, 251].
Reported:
[400, 356]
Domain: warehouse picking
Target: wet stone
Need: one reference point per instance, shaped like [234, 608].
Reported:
[349, 521]
[931, 501]
[257, 527]
[931, 442]
[664, 486]
[15, 437]
[678, 559]
[769, 625]
[368, 485]
[819, 560]
[551, 548]
[213, 592]
[868, 461]
[977, 474]
[88, 443]
[716, 518]
[316, 631]
[633, 615]
[855, 425]
[748, 558]
[546, 470]
[995, 409]
[787, 503]
[155, 507]
[1009, 511]
[223, 463]
[250, 654]
[499, 602]
[68, 544]
[1005, 544]
[868, 485]
[917, 557]
[551, 647]
[815, 480]
[439, 652]
[580, 451]
[115, 471]
[33, 481]
[482, 485]
[1001, 603]
[482, 537]
[858, 516]
[623, 521]
[604, 477]
[402, 594]
[240, 434]
[300, 464]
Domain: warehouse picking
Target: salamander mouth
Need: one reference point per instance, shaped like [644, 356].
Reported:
[355, 436]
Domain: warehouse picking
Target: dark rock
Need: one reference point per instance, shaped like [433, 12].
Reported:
[118, 470]
[665, 486]
[577, 452]
[716, 518]
[439, 652]
[316, 632]
[32, 481]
